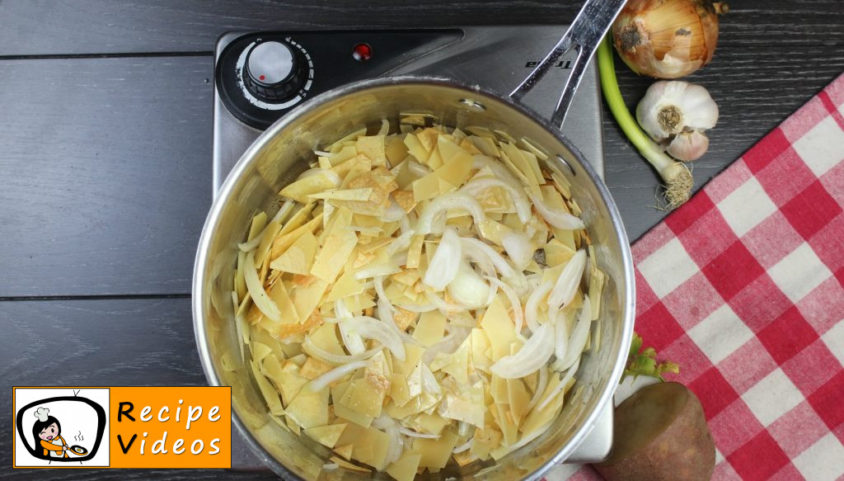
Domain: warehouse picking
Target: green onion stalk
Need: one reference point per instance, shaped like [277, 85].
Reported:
[677, 177]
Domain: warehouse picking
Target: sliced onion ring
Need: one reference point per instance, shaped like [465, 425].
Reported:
[558, 219]
[534, 354]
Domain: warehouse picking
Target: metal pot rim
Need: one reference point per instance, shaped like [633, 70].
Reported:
[363, 85]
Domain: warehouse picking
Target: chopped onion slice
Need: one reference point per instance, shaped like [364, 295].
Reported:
[520, 200]
[382, 294]
[448, 344]
[333, 375]
[371, 328]
[454, 200]
[393, 213]
[577, 341]
[464, 446]
[313, 350]
[417, 169]
[256, 290]
[515, 303]
[445, 262]
[475, 248]
[352, 340]
[375, 270]
[441, 305]
[386, 315]
[332, 176]
[468, 288]
[569, 375]
[385, 127]
[413, 434]
[561, 334]
[400, 243]
[541, 384]
[518, 248]
[278, 217]
[418, 308]
[532, 305]
[532, 356]
[497, 168]
[566, 285]
[557, 218]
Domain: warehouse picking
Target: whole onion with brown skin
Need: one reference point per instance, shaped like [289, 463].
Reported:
[667, 38]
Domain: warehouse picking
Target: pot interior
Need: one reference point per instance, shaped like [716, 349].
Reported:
[283, 152]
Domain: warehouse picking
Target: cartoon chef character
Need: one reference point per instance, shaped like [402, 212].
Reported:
[49, 430]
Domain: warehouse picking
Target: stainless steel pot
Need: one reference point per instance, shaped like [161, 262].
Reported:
[281, 154]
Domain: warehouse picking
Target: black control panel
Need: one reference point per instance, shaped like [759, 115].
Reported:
[261, 76]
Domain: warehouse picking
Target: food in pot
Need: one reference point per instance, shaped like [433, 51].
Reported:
[419, 298]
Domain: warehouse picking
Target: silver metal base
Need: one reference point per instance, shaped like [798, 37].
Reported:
[497, 58]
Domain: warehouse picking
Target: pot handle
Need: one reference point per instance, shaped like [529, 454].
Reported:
[584, 35]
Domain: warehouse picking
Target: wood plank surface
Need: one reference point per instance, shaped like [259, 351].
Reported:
[135, 342]
[106, 174]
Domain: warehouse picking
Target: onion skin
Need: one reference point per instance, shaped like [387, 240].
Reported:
[667, 39]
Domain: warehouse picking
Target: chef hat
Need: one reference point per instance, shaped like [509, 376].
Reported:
[42, 413]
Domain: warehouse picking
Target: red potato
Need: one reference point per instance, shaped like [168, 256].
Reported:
[660, 434]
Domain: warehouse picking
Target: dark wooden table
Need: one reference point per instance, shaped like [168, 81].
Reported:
[105, 156]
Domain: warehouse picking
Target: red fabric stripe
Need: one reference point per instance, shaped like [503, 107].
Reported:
[830, 106]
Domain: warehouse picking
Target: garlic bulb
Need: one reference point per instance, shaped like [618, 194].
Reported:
[676, 114]
[688, 146]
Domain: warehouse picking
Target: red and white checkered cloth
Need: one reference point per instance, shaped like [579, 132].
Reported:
[744, 288]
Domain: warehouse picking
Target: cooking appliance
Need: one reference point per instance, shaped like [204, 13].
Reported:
[260, 77]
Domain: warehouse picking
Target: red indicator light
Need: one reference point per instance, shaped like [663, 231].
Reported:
[362, 52]
[262, 77]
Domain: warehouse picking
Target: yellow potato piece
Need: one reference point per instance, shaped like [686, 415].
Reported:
[279, 295]
[286, 378]
[326, 338]
[362, 194]
[370, 445]
[314, 368]
[394, 149]
[326, 435]
[300, 189]
[435, 452]
[307, 298]
[309, 408]
[428, 423]
[519, 398]
[373, 147]
[416, 149]
[414, 252]
[404, 469]
[347, 465]
[345, 286]
[499, 328]
[362, 398]
[426, 188]
[405, 199]
[485, 440]
[467, 406]
[430, 328]
[267, 391]
[299, 257]
[345, 450]
[283, 241]
[508, 427]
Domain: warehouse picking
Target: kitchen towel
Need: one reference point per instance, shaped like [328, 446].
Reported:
[743, 286]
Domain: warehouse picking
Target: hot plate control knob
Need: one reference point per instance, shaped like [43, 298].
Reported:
[275, 71]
